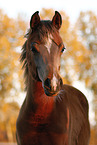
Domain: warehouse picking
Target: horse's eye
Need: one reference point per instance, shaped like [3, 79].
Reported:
[63, 49]
[34, 48]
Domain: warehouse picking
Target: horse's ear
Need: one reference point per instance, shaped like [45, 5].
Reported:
[35, 20]
[57, 20]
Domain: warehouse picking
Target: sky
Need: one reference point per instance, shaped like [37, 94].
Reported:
[27, 7]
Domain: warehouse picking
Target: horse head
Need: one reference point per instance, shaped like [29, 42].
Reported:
[44, 49]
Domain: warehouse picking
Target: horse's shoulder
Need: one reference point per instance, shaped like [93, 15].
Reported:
[76, 96]
[78, 107]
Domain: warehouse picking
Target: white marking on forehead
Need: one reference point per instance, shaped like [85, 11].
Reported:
[49, 42]
[54, 82]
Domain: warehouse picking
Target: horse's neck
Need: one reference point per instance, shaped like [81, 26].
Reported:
[37, 97]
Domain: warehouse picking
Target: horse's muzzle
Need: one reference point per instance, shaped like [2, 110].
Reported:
[52, 87]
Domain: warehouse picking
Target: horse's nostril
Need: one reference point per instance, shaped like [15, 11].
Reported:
[47, 83]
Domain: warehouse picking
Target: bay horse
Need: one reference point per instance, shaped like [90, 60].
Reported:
[53, 113]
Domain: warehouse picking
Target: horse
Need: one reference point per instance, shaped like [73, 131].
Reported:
[52, 113]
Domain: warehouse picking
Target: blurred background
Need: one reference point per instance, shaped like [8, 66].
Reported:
[78, 62]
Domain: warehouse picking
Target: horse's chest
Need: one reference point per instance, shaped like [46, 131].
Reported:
[46, 130]
[42, 116]
[44, 108]
[50, 117]
[47, 123]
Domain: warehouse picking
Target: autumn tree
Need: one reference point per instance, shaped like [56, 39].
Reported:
[87, 31]
[8, 116]
[11, 39]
